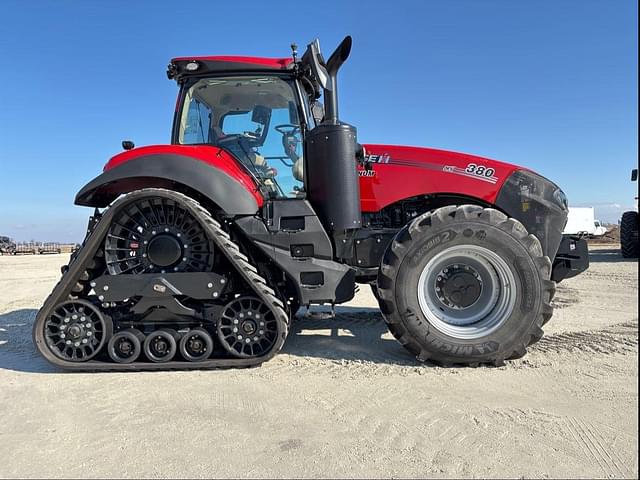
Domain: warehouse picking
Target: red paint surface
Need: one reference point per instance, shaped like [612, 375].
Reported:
[262, 62]
[212, 156]
[393, 182]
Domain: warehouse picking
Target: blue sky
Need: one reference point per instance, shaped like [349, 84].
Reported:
[547, 84]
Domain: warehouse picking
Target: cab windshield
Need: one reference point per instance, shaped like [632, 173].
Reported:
[255, 119]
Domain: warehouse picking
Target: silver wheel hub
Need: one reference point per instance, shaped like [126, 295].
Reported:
[466, 291]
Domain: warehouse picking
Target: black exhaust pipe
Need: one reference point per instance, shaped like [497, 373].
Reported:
[336, 60]
[332, 177]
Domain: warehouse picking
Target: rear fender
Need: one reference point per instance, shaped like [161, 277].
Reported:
[175, 172]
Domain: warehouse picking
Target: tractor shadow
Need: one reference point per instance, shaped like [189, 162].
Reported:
[354, 334]
[609, 255]
[17, 351]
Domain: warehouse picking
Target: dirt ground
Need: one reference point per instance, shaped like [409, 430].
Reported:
[343, 400]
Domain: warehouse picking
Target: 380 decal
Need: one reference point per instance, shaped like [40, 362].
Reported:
[480, 170]
[473, 170]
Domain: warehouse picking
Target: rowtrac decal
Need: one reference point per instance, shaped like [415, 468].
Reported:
[472, 170]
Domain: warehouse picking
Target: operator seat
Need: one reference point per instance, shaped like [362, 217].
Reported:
[298, 169]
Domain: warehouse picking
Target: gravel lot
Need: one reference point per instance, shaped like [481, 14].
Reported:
[343, 400]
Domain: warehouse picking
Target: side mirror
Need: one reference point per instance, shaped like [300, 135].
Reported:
[261, 115]
[634, 174]
[317, 112]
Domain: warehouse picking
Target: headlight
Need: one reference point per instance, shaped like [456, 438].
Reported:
[561, 198]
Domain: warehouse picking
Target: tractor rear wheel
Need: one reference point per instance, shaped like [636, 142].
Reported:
[629, 235]
[465, 285]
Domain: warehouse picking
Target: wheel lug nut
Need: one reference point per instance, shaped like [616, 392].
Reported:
[74, 316]
[247, 340]
[261, 332]
[68, 342]
[235, 329]
[235, 321]
[62, 335]
[84, 340]
[66, 320]
[239, 337]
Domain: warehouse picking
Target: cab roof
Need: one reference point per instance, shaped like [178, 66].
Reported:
[225, 63]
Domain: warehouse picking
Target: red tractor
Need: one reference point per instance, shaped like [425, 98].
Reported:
[265, 201]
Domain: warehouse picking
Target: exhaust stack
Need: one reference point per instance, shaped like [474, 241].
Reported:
[336, 60]
[333, 185]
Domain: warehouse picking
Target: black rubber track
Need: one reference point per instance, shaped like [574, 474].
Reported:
[395, 255]
[84, 260]
[629, 235]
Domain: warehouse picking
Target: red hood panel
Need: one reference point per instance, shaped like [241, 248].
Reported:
[401, 172]
[213, 156]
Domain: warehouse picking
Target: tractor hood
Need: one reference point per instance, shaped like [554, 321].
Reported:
[393, 173]
[396, 172]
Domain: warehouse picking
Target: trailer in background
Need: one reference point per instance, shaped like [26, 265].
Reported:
[26, 248]
[49, 247]
[581, 221]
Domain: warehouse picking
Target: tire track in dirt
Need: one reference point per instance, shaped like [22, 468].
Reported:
[621, 338]
[588, 437]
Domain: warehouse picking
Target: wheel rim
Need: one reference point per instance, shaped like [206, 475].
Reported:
[466, 291]
[157, 235]
[196, 345]
[160, 346]
[124, 347]
[76, 331]
[247, 327]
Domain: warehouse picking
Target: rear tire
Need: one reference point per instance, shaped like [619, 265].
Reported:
[465, 285]
[629, 235]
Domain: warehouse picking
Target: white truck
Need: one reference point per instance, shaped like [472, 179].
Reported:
[582, 221]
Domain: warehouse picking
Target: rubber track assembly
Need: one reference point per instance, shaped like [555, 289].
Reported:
[75, 279]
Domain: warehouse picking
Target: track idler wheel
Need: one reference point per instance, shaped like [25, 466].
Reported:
[76, 331]
[160, 346]
[196, 345]
[125, 346]
[247, 327]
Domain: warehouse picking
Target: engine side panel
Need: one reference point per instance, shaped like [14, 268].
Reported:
[400, 172]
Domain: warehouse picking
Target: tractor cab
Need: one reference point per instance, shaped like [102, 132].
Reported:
[254, 117]
[253, 109]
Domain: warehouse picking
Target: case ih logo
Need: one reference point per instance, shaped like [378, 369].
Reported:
[384, 158]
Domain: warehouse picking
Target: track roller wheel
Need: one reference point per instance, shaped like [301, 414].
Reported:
[160, 346]
[125, 346]
[76, 331]
[196, 345]
[247, 327]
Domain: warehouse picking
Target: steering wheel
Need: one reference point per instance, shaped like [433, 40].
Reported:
[287, 128]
